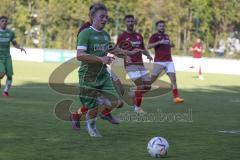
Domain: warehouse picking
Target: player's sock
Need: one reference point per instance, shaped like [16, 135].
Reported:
[83, 110]
[8, 85]
[106, 115]
[175, 93]
[176, 98]
[138, 98]
[91, 127]
[106, 111]
[75, 117]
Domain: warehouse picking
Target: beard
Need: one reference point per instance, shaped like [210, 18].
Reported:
[130, 28]
[161, 31]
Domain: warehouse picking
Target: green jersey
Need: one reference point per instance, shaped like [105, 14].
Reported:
[6, 36]
[94, 43]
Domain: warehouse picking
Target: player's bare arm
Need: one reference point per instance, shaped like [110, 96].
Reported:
[153, 45]
[117, 51]
[146, 53]
[83, 56]
[16, 45]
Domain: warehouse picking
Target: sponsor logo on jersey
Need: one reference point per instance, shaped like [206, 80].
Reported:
[96, 38]
[101, 47]
[106, 38]
[136, 43]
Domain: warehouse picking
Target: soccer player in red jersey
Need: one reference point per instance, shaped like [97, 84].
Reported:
[163, 60]
[197, 50]
[134, 65]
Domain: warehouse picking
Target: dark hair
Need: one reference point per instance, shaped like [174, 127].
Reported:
[161, 21]
[3, 17]
[96, 7]
[128, 16]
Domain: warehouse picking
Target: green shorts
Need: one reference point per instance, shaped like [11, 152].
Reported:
[6, 66]
[91, 91]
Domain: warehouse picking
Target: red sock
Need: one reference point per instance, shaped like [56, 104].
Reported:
[175, 93]
[200, 71]
[76, 116]
[106, 111]
[84, 109]
[138, 98]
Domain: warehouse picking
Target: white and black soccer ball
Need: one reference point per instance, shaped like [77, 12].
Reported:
[158, 147]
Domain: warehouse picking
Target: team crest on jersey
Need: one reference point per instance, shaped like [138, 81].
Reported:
[106, 38]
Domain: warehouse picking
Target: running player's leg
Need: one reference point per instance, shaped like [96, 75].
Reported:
[9, 74]
[117, 84]
[199, 63]
[157, 70]
[139, 75]
[143, 85]
[170, 70]
[2, 70]
[88, 98]
[110, 99]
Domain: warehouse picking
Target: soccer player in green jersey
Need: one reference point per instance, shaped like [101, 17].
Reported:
[96, 87]
[6, 36]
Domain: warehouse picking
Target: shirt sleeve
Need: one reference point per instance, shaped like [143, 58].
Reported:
[82, 40]
[152, 39]
[13, 38]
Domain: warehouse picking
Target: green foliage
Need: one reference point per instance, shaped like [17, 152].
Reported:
[54, 23]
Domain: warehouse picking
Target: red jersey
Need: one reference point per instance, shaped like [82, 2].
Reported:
[136, 40]
[197, 50]
[162, 51]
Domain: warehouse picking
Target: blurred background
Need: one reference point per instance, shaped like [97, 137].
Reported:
[55, 23]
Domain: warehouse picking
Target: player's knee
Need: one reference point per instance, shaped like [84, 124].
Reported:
[2, 75]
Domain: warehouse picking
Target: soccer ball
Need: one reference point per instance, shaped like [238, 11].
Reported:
[158, 147]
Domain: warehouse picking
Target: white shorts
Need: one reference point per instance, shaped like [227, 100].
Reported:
[137, 71]
[160, 66]
[197, 62]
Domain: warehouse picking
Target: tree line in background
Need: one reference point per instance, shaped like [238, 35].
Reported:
[55, 23]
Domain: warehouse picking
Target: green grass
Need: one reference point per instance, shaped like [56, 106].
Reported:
[29, 129]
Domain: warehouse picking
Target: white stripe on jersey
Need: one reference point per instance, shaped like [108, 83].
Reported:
[82, 47]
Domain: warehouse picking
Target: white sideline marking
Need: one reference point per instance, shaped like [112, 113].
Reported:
[230, 132]
[235, 100]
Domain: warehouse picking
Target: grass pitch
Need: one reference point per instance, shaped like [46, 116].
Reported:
[206, 126]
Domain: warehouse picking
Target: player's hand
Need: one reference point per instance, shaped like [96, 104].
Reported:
[150, 58]
[107, 59]
[128, 59]
[134, 51]
[23, 50]
[161, 41]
